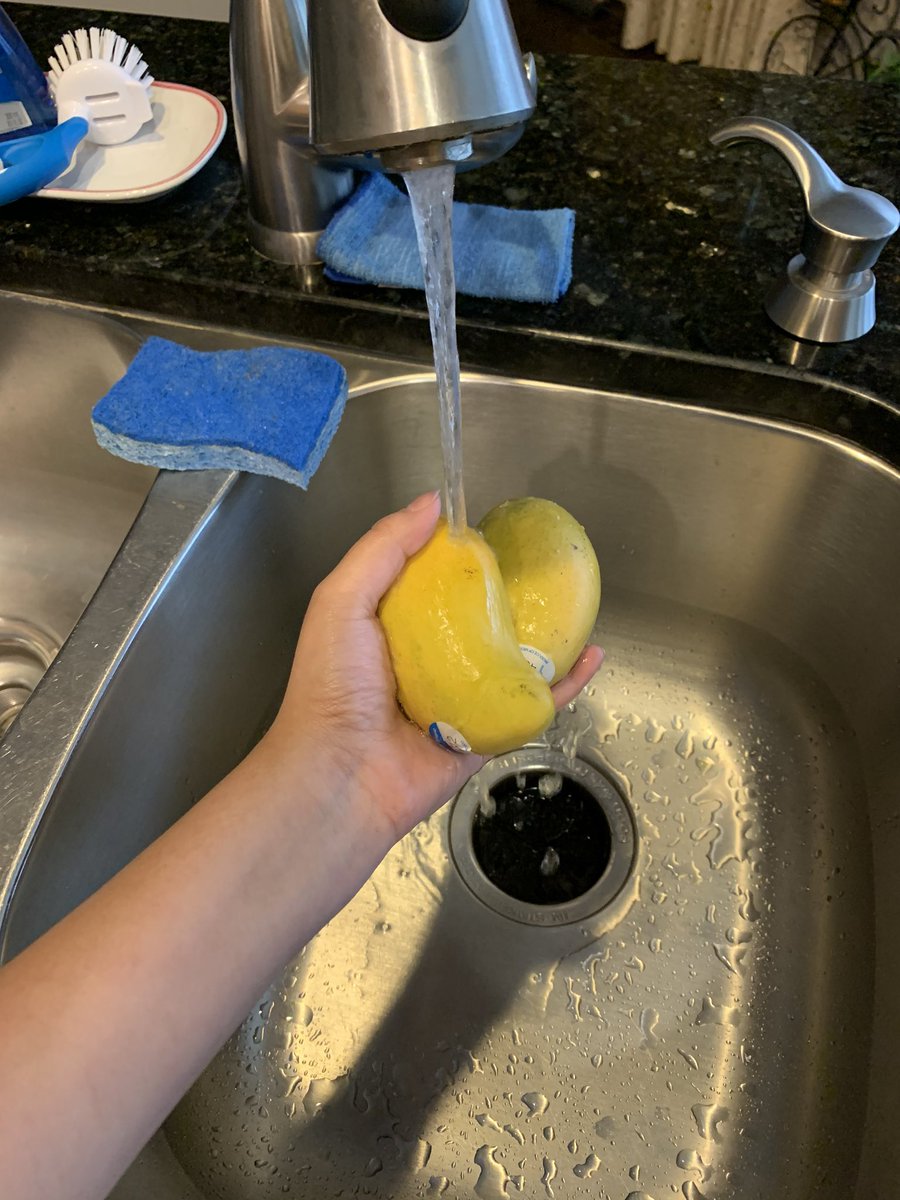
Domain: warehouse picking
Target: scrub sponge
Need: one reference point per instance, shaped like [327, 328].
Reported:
[269, 410]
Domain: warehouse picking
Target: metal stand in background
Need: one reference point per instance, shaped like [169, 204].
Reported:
[845, 42]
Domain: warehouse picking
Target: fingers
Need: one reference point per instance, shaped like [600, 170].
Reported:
[369, 568]
[579, 677]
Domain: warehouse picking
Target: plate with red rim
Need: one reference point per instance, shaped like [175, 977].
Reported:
[188, 125]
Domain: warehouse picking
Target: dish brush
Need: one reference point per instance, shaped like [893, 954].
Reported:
[95, 74]
[101, 87]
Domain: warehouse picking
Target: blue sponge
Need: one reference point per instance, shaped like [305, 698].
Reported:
[271, 411]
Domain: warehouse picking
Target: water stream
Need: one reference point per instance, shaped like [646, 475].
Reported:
[431, 194]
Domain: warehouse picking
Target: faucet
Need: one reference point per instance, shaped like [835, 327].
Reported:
[827, 293]
[324, 88]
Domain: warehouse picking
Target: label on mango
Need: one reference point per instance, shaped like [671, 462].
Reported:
[448, 737]
[541, 662]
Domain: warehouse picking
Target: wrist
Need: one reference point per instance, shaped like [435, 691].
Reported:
[321, 799]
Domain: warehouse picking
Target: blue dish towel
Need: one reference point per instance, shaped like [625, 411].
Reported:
[269, 410]
[501, 253]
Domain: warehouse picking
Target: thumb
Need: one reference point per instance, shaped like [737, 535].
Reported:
[369, 568]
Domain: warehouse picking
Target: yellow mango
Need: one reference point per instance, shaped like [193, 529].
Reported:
[460, 673]
[551, 577]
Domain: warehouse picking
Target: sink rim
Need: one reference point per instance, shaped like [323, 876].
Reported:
[877, 416]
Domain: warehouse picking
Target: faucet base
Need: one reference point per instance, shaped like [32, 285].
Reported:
[285, 246]
[820, 306]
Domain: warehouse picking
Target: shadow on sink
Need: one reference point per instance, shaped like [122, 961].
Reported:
[710, 1031]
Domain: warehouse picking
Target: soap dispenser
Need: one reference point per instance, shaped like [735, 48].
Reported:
[26, 106]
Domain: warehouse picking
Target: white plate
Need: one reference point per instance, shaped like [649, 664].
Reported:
[187, 127]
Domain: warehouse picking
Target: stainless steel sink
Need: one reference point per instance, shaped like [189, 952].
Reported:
[717, 1017]
[65, 506]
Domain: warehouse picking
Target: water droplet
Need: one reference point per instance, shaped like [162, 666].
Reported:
[717, 1014]
[648, 1022]
[689, 1059]
[748, 910]
[635, 1173]
[709, 1117]
[319, 1093]
[493, 1180]
[550, 785]
[303, 1014]
[549, 1175]
[437, 1185]
[655, 732]
[486, 1121]
[729, 841]
[685, 747]
[421, 1154]
[690, 1191]
[690, 1160]
[550, 862]
[586, 1169]
[731, 957]
[373, 1166]
[574, 1003]
[487, 805]
[536, 1103]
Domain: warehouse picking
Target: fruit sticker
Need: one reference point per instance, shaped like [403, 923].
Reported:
[541, 662]
[448, 737]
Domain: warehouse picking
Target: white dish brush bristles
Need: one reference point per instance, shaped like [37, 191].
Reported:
[95, 74]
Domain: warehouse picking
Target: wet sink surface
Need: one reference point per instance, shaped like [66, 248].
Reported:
[681, 1040]
[711, 1031]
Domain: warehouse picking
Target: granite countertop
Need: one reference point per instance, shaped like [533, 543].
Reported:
[675, 241]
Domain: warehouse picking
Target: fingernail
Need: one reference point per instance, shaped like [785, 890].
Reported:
[424, 501]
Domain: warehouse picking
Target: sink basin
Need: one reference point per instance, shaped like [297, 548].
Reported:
[65, 505]
[714, 1016]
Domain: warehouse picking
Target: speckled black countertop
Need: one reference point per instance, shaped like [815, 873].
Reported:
[675, 241]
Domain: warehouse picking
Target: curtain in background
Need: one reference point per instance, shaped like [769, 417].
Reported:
[732, 33]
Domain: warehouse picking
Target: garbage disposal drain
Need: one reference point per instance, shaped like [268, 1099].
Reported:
[541, 838]
[25, 654]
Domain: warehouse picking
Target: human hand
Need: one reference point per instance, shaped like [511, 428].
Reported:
[342, 693]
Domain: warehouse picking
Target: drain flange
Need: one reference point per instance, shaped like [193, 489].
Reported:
[541, 838]
[25, 654]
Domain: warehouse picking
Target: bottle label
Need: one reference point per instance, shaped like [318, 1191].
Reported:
[448, 737]
[13, 116]
[541, 662]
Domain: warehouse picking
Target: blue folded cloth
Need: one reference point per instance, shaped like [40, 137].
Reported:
[501, 253]
[269, 410]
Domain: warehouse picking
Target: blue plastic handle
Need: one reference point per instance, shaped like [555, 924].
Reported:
[33, 162]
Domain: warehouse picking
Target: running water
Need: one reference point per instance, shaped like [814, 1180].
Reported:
[431, 194]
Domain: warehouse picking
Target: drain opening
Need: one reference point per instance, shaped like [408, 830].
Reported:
[25, 654]
[540, 836]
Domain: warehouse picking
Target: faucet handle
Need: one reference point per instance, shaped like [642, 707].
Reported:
[828, 294]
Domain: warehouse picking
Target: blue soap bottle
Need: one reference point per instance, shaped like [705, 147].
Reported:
[26, 106]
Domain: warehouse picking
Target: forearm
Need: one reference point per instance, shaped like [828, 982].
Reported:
[111, 1016]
